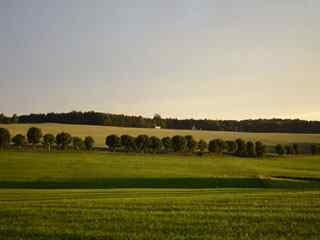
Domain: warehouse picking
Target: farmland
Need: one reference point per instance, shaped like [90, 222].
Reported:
[86, 166]
[105, 195]
[99, 133]
[159, 214]
[96, 195]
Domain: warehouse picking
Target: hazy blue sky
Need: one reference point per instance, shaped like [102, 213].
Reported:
[220, 59]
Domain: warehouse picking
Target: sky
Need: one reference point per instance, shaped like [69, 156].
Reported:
[212, 59]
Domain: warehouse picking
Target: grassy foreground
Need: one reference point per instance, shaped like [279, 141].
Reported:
[99, 133]
[101, 195]
[159, 214]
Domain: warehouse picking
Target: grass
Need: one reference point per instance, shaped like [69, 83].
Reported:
[100, 132]
[159, 214]
[86, 166]
[99, 195]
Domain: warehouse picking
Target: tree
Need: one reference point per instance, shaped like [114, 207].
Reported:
[166, 143]
[213, 146]
[63, 140]
[19, 140]
[191, 143]
[202, 145]
[216, 146]
[315, 149]
[34, 135]
[14, 118]
[260, 149]
[231, 146]
[250, 149]
[4, 138]
[48, 140]
[96, 118]
[179, 143]
[155, 144]
[289, 149]
[128, 142]
[125, 142]
[142, 143]
[296, 148]
[77, 143]
[241, 147]
[132, 144]
[279, 149]
[113, 142]
[157, 120]
[89, 143]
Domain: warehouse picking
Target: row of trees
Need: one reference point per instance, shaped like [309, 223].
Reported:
[295, 149]
[146, 144]
[141, 143]
[34, 137]
[107, 119]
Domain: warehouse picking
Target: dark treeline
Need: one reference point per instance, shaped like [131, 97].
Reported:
[120, 120]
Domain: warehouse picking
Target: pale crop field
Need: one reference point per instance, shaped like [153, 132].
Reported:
[99, 133]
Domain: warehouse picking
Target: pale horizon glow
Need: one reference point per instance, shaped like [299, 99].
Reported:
[187, 59]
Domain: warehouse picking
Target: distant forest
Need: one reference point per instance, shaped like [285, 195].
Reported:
[120, 120]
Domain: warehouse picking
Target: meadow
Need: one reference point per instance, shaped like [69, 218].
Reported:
[99, 133]
[105, 195]
[101, 195]
[94, 166]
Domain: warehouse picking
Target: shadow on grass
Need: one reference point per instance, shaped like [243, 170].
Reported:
[109, 183]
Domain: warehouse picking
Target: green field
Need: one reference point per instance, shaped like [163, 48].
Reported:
[99, 133]
[96, 195]
[94, 166]
[159, 214]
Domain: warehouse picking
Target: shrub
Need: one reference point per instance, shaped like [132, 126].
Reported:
[113, 142]
[89, 143]
[19, 140]
[260, 149]
[179, 143]
[4, 138]
[279, 149]
[63, 140]
[34, 135]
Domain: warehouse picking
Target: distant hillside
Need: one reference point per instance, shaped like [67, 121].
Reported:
[120, 120]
